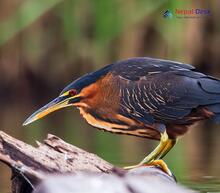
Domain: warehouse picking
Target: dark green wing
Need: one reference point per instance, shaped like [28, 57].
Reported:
[162, 91]
[135, 68]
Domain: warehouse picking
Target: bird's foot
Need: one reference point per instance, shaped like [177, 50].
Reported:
[163, 166]
[159, 163]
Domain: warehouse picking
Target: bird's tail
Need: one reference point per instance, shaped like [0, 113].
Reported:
[212, 87]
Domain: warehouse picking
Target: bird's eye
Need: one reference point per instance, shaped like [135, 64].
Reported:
[72, 92]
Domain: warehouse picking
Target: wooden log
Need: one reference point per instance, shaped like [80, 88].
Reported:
[43, 164]
[143, 180]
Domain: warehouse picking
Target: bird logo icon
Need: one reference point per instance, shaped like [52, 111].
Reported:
[167, 14]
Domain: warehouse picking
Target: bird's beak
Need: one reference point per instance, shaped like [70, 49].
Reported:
[57, 103]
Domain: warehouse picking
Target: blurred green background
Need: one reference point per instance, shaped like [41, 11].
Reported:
[44, 45]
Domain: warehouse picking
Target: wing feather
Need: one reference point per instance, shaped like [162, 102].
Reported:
[165, 91]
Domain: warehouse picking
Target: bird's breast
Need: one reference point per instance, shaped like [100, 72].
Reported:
[94, 121]
[123, 125]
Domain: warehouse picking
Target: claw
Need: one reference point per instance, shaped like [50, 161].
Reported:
[132, 167]
[159, 163]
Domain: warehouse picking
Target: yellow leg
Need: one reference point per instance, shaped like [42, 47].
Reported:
[160, 151]
[155, 154]
[160, 162]
[168, 147]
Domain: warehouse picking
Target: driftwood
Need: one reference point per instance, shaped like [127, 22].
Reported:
[58, 167]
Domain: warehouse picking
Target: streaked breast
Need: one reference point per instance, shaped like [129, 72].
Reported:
[123, 125]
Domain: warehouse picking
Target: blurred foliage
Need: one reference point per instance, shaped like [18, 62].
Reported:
[28, 12]
[47, 44]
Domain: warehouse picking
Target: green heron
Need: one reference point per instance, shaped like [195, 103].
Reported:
[144, 97]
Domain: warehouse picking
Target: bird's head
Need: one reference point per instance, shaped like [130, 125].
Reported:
[72, 95]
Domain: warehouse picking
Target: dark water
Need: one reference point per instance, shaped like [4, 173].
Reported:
[194, 160]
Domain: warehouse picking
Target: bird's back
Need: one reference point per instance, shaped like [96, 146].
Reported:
[160, 91]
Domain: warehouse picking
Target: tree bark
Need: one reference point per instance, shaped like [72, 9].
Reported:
[32, 166]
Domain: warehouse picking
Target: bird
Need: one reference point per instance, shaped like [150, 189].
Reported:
[145, 97]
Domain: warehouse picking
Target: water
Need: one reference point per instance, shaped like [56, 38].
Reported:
[204, 184]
